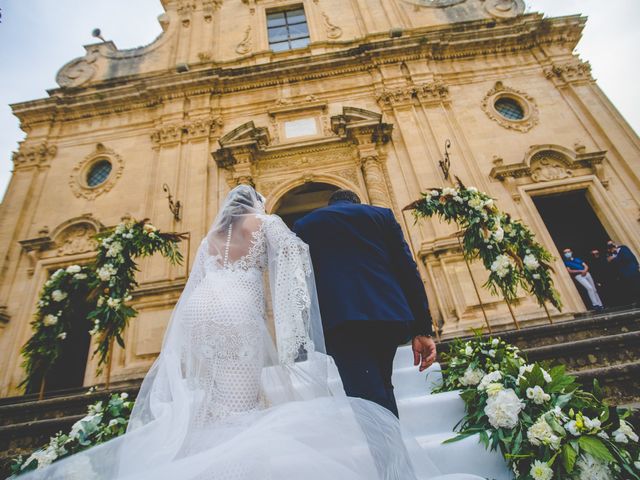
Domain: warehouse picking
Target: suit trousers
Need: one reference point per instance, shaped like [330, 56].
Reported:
[363, 352]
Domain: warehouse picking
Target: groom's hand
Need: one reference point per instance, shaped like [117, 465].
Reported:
[424, 351]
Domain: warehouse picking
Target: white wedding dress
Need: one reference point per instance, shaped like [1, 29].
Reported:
[240, 390]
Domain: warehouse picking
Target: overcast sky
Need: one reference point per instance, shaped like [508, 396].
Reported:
[37, 37]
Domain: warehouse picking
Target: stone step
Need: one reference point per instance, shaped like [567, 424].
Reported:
[590, 353]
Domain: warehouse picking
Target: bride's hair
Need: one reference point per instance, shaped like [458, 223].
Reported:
[242, 200]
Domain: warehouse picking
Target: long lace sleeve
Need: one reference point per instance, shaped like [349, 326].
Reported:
[292, 290]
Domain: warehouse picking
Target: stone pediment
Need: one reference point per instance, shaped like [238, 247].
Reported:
[361, 126]
[246, 134]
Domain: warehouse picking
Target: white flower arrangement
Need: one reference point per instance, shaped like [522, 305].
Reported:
[502, 265]
[531, 262]
[543, 423]
[106, 272]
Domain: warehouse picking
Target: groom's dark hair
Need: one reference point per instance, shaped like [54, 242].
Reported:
[344, 196]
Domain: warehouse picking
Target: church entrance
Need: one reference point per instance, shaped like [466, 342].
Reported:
[572, 223]
[301, 200]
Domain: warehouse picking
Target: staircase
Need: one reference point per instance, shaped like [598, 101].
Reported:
[604, 346]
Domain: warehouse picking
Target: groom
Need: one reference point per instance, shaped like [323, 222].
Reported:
[370, 292]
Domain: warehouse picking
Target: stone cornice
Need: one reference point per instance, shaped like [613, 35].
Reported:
[468, 39]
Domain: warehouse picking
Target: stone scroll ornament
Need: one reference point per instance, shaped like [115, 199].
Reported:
[506, 247]
[97, 293]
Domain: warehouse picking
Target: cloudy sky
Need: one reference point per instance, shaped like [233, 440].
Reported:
[37, 37]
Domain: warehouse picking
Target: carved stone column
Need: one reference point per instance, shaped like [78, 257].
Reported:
[367, 131]
[375, 181]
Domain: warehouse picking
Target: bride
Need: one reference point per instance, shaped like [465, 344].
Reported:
[241, 387]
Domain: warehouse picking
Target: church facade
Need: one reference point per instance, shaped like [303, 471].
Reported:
[299, 98]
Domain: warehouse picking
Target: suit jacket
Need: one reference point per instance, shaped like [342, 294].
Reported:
[626, 264]
[363, 267]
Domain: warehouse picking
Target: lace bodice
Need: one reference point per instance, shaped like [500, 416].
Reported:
[255, 258]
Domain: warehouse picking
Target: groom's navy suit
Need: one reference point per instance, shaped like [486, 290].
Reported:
[371, 295]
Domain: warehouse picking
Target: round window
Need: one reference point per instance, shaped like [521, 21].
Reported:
[509, 108]
[98, 173]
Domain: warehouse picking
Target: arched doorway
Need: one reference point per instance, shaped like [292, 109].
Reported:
[303, 199]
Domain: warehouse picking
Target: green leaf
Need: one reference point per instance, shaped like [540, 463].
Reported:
[460, 436]
[596, 448]
[569, 456]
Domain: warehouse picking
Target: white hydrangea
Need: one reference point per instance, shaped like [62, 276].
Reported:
[472, 376]
[74, 269]
[106, 241]
[541, 433]
[590, 468]
[538, 395]
[120, 228]
[530, 262]
[502, 265]
[489, 378]
[58, 295]
[49, 320]
[449, 191]
[541, 471]
[503, 409]
[106, 272]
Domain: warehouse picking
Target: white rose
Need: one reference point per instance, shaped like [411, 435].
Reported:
[476, 203]
[434, 193]
[502, 265]
[489, 378]
[572, 428]
[58, 295]
[80, 276]
[495, 342]
[62, 335]
[472, 189]
[492, 353]
[498, 235]
[148, 228]
[74, 269]
[538, 395]
[468, 350]
[471, 376]
[449, 191]
[503, 409]
[49, 320]
[541, 471]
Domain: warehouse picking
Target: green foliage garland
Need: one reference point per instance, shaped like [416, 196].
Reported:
[115, 277]
[506, 247]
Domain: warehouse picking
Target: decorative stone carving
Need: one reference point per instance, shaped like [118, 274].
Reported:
[526, 102]
[546, 168]
[331, 30]
[434, 3]
[76, 239]
[544, 163]
[432, 92]
[185, 9]
[244, 46]
[77, 178]
[33, 155]
[375, 180]
[79, 71]
[570, 72]
[238, 152]
[185, 131]
[504, 8]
